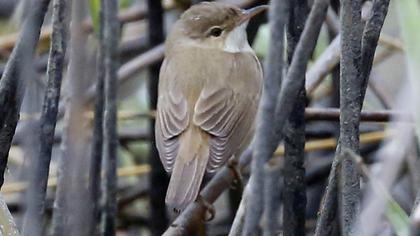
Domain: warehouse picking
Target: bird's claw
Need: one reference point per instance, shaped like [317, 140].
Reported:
[176, 211]
[210, 211]
[237, 181]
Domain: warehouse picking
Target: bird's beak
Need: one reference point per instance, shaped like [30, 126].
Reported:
[248, 14]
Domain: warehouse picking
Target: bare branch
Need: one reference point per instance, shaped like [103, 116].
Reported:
[34, 215]
[294, 191]
[158, 177]
[110, 137]
[350, 101]
[265, 138]
[353, 89]
[12, 83]
[370, 39]
[95, 168]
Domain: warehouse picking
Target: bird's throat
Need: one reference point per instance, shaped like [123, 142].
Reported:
[237, 41]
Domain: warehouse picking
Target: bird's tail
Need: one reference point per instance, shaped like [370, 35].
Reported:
[189, 169]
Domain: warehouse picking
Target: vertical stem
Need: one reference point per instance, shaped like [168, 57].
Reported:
[329, 204]
[294, 142]
[97, 142]
[12, 83]
[34, 215]
[70, 205]
[365, 47]
[350, 100]
[158, 176]
[327, 221]
[265, 137]
[110, 137]
[370, 39]
[272, 197]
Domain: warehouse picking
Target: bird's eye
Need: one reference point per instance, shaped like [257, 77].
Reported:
[216, 31]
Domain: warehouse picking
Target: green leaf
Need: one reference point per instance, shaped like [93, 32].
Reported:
[261, 42]
[398, 218]
[322, 43]
[94, 8]
[125, 3]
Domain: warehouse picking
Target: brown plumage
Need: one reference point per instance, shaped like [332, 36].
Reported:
[209, 91]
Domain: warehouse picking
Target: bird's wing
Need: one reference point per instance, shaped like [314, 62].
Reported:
[228, 116]
[171, 121]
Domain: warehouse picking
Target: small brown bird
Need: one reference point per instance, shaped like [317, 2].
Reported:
[209, 90]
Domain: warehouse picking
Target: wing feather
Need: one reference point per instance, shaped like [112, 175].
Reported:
[231, 120]
[171, 121]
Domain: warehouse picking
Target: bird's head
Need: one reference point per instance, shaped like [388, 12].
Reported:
[214, 25]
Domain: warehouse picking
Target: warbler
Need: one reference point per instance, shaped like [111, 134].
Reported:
[209, 89]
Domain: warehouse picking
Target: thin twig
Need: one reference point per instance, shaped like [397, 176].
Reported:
[272, 198]
[333, 114]
[380, 93]
[370, 39]
[323, 65]
[70, 208]
[158, 177]
[331, 58]
[265, 138]
[353, 99]
[110, 137]
[34, 215]
[350, 100]
[294, 191]
[329, 204]
[95, 168]
[294, 79]
[12, 83]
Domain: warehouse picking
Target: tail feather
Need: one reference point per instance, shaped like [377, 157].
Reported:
[189, 169]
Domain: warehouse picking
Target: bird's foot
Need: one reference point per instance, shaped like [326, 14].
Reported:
[176, 211]
[237, 181]
[210, 211]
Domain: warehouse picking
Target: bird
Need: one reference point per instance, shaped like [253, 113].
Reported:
[210, 84]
